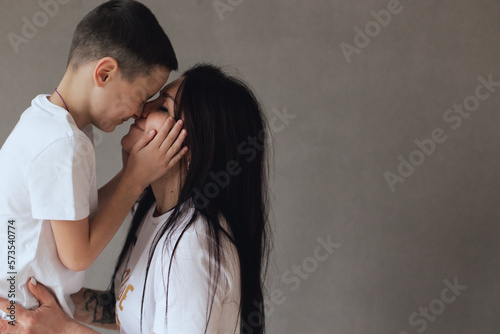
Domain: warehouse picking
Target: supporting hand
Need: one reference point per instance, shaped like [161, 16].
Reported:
[47, 318]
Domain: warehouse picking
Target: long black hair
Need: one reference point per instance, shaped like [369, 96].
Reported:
[227, 177]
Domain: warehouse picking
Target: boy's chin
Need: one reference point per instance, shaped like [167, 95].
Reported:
[108, 128]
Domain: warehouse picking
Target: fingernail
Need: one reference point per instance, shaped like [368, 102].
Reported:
[152, 132]
[33, 281]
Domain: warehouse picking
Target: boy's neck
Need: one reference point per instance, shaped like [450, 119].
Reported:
[69, 90]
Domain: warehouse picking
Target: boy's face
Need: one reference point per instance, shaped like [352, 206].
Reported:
[155, 114]
[121, 99]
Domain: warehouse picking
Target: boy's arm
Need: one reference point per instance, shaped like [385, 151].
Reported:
[109, 188]
[80, 242]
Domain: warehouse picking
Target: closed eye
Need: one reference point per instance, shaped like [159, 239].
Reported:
[162, 108]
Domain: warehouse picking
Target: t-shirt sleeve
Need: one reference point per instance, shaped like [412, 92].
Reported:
[59, 180]
[189, 296]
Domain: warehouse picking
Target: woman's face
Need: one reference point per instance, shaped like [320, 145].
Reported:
[154, 115]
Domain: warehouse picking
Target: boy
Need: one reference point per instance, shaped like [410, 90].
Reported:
[53, 226]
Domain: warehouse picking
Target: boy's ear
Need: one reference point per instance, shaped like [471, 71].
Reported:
[104, 69]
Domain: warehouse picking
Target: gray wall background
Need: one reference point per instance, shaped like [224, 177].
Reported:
[352, 122]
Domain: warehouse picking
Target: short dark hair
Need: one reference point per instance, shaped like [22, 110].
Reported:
[127, 31]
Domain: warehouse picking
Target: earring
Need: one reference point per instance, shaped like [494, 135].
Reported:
[188, 163]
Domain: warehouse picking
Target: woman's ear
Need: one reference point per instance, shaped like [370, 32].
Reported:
[104, 70]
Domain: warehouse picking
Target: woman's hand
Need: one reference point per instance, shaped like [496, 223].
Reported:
[47, 318]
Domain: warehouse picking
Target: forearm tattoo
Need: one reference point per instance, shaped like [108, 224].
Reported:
[104, 305]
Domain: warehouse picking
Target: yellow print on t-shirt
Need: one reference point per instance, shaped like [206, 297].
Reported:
[124, 289]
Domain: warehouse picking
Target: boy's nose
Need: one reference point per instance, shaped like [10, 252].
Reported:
[146, 110]
[138, 113]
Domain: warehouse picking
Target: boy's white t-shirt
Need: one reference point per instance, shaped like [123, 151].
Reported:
[47, 172]
[188, 286]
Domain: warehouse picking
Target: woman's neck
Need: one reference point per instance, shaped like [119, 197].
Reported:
[166, 190]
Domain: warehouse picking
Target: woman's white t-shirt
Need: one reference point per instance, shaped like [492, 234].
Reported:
[189, 294]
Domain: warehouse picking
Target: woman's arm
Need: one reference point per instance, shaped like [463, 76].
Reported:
[94, 307]
[47, 318]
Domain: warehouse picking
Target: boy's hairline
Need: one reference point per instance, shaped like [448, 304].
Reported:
[74, 66]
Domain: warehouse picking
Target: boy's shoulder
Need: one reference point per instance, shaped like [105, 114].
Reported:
[48, 118]
[41, 126]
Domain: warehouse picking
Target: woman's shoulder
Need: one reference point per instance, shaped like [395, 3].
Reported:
[193, 229]
[193, 243]
[196, 233]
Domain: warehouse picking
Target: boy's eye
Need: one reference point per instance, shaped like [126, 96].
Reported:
[162, 108]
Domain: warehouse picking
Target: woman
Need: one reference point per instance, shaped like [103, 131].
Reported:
[194, 256]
